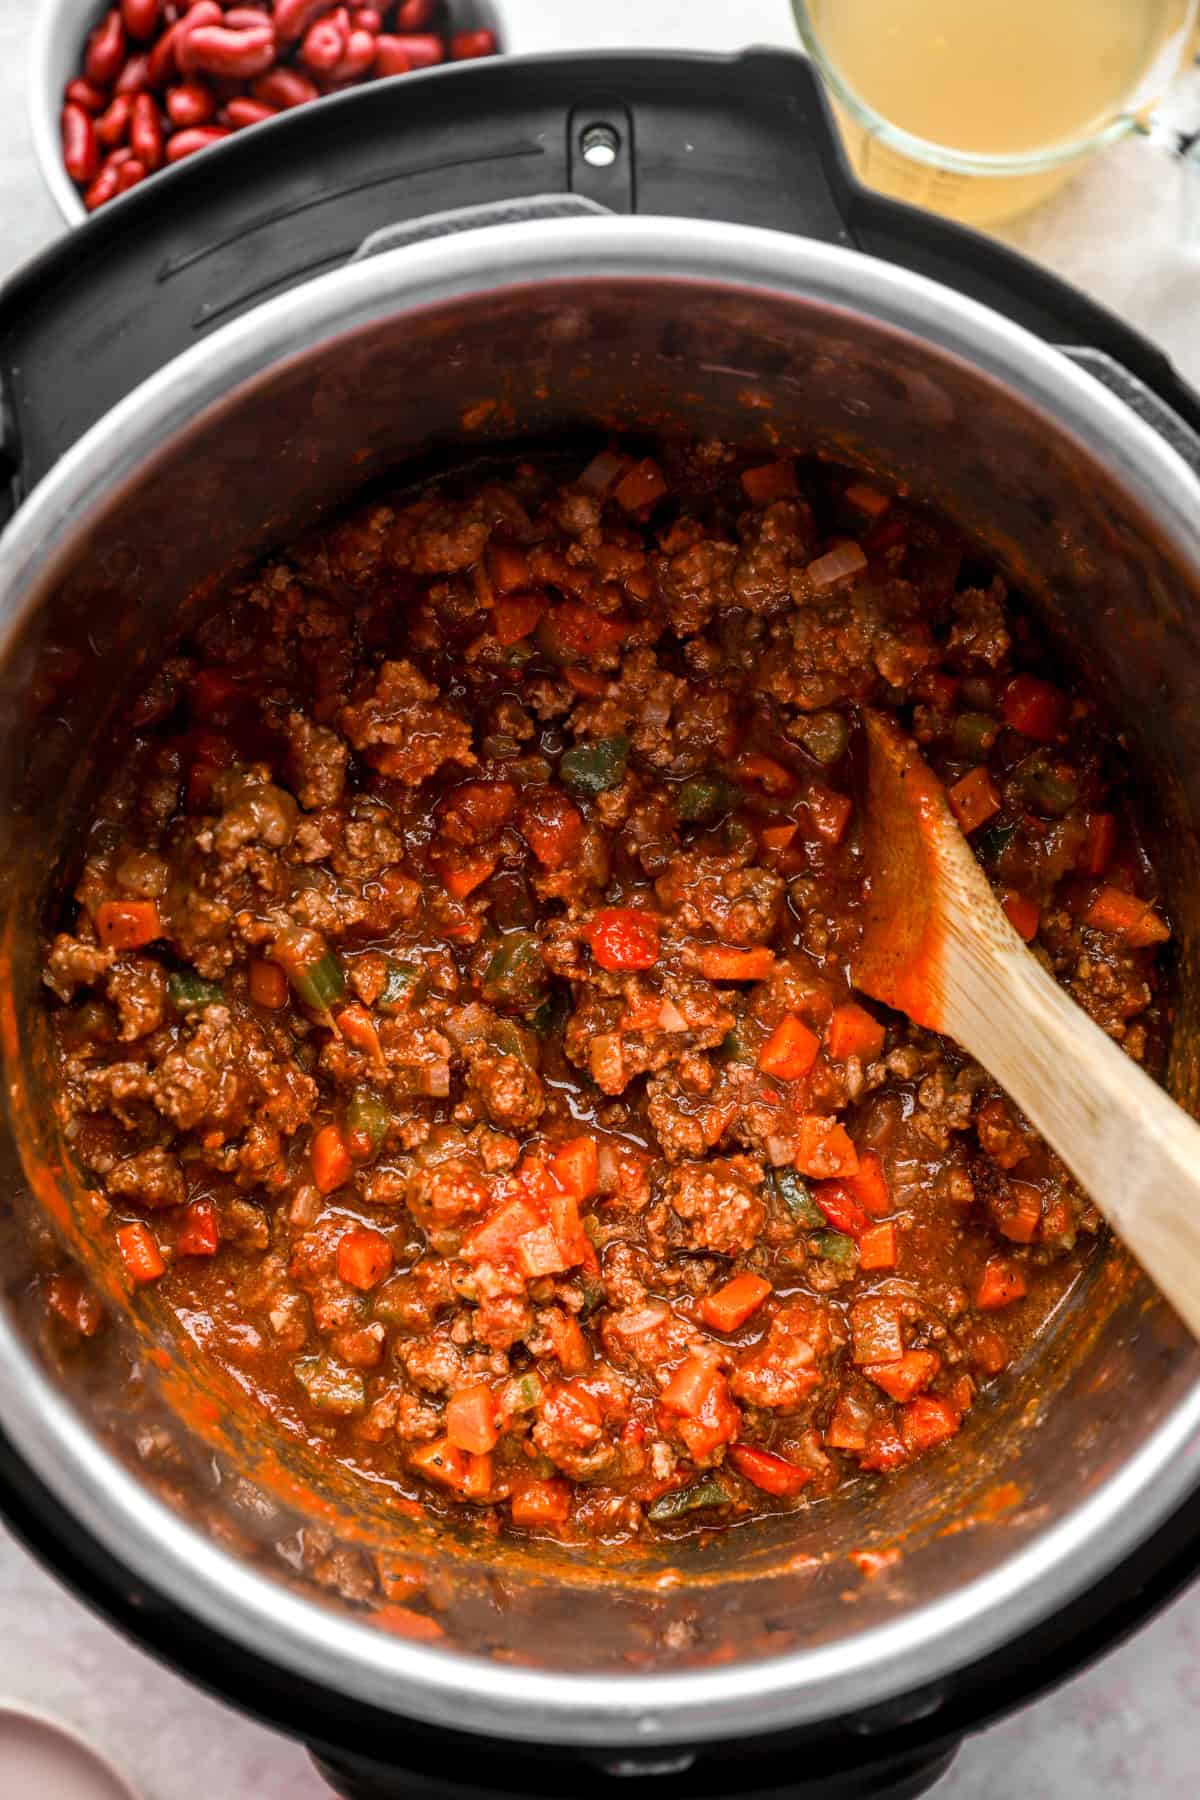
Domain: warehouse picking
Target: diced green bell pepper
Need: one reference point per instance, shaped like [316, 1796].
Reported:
[515, 975]
[188, 991]
[367, 1116]
[402, 986]
[708, 1492]
[338, 1392]
[796, 1195]
[593, 768]
[834, 1246]
[706, 799]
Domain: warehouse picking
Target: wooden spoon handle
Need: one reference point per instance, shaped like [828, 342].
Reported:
[1122, 1137]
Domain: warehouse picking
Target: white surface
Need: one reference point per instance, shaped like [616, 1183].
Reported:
[1132, 1725]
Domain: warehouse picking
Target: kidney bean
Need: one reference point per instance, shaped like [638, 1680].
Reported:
[359, 57]
[134, 76]
[465, 45]
[414, 15]
[104, 188]
[163, 66]
[420, 52]
[113, 124]
[390, 56]
[186, 143]
[83, 93]
[284, 88]
[214, 50]
[324, 45]
[130, 173]
[293, 17]
[146, 132]
[368, 18]
[80, 154]
[140, 18]
[106, 51]
[240, 113]
[190, 103]
[246, 18]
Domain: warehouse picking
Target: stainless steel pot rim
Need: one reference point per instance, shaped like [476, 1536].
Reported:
[438, 1687]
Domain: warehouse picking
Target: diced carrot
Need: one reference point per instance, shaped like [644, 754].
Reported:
[579, 632]
[577, 1166]
[790, 1051]
[623, 938]
[461, 875]
[926, 1421]
[828, 812]
[778, 837]
[1023, 915]
[868, 499]
[641, 486]
[1034, 707]
[515, 617]
[199, 1235]
[877, 1247]
[974, 799]
[853, 1032]
[405, 1622]
[453, 1468]
[869, 1184]
[824, 1149]
[766, 772]
[357, 1026]
[1099, 844]
[907, 1375]
[734, 1303]
[1125, 916]
[568, 1342]
[1000, 1284]
[331, 1163]
[471, 1419]
[364, 1258]
[496, 1239]
[127, 924]
[720, 962]
[268, 984]
[508, 567]
[770, 481]
[1022, 1213]
[541, 1503]
[586, 682]
[139, 1252]
[773, 1474]
[67, 1296]
[841, 1208]
[573, 1241]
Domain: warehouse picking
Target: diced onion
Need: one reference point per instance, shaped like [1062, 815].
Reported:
[779, 1151]
[608, 1170]
[836, 565]
[602, 472]
[435, 1080]
[656, 712]
[670, 1018]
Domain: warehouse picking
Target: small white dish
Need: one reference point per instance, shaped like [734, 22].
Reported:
[41, 1758]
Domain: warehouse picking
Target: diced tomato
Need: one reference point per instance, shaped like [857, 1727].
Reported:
[508, 567]
[1023, 915]
[623, 937]
[690, 1384]
[579, 632]
[841, 1208]
[868, 500]
[199, 1235]
[937, 689]
[1125, 916]
[516, 616]
[139, 1252]
[734, 1303]
[884, 1449]
[1022, 1212]
[1099, 844]
[1000, 1284]
[552, 826]
[538, 1253]
[586, 682]
[331, 1164]
[1034, 707]
[74, 1305]
[127, 924]
[215, 695]
[974, 799]
[497, 1237]
[906, 1375]
[770, 481]
[869, 1184]
[828, 812]
[773, 1474]
[473, 812]
[926, 1421]
[462, 874]
[853, 1032]
[778, 837]
[790, 1051]
[541, 1503]
[364, 1258]
[640, 487]
[471, 1419]
[268, 984]
[719, 962]
[877, 1247]
[572, 1413]
[357, 1026]
[824, 1149]
[765, 772]
[577, 1165]
[699, 1393]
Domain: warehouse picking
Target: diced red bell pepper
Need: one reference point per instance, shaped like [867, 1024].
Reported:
[770, 481]
[508, 567]
[853, 1032]
[364, 1258]
[828, 812]
[1022, 914]
[824, 1148]
[1000, 1285]
[515, 616]
[974, 799]
[768, 774]
[877, 1247]
[459, 1470]
[358, 1028]
[569, 1345]
[733, 1304]
[841, 1208]
[462, 874]
[586, 682]
[773, 1474]
[867, 499]
[200, 1234]
[1099, 844]
[139, 1252]
[1034, 707]
[127, 924]
[268, 985]
[1125, 916]
[552, 825]
[779, 837]
[623, 938]
[578, 632]
[869, 1184]
[640, 487]
[471, 1419]
[907, 1375]
[790, 1051]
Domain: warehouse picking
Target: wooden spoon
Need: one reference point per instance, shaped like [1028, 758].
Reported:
[937, 946]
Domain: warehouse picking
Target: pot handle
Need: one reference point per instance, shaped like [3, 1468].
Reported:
[1150, 407]
[474, 218]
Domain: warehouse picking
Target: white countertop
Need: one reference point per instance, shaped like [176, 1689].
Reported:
[1130, 1726]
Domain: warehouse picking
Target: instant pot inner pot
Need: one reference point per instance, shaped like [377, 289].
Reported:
[657, 356]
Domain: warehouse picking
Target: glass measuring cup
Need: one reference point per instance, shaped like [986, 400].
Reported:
[979, 109]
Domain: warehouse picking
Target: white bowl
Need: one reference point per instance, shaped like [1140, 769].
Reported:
[60, 30]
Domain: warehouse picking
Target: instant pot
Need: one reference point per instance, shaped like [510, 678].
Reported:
[453, 264]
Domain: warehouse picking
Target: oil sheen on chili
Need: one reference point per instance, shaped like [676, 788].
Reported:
[453, 1014]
